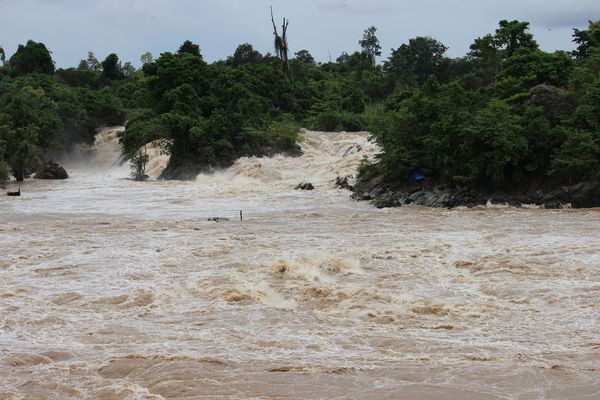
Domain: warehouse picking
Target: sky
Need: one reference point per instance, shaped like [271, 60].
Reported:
[71, 28]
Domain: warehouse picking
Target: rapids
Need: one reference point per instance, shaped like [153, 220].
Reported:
[116, 289]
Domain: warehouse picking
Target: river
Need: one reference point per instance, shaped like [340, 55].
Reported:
[115, 289]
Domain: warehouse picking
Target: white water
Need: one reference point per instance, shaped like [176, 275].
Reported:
[116, 289]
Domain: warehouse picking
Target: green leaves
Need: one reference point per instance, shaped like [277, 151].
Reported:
[578, 157]
[586, 40]
[444, 132]
[213, 114]
[370, 44]
[28, 121]
[111, 69]
[416, 61]
[493, 144]
[32, 58]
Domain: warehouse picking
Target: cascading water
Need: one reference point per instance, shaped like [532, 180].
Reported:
[105, 157]
[116, 289]
[107, 151]
[325, 156]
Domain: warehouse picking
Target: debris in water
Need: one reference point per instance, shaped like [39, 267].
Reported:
[218, 219]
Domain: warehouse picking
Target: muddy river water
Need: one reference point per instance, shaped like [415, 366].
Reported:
[115, 289]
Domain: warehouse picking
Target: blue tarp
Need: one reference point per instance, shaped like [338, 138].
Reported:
[415, 176]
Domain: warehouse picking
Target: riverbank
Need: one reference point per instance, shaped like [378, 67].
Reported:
[386, 194]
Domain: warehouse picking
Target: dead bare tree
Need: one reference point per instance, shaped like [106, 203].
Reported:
[281, 44]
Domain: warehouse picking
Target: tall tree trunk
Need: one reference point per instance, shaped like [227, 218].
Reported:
[281, 44]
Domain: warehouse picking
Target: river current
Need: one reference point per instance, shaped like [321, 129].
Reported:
[116, 289]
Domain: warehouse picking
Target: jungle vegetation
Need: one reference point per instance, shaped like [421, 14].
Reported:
[506, 112]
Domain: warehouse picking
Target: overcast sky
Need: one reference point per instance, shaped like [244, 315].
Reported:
[71, 28]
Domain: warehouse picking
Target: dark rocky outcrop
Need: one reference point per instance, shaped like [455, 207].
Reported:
[52, 170]
[342, 183]
[14, 193]
[305, 186]
[355, 148]
[385, 194]
[185, 172]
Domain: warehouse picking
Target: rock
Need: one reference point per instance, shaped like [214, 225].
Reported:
[387, 199]
[14, 194]
[185, 172]
[543, 194]
[342, 183]
[355, 148]
[304, 186]
[430, 198]
[361, 196]
[52, 170]
[584, 195]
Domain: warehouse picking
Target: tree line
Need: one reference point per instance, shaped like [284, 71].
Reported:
[507, 112]
[505, 116]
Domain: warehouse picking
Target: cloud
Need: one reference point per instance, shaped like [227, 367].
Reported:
[130, 27]
[569, 19]
[372, 7]
[550, 13]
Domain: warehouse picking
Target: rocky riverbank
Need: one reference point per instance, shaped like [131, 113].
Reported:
[385, 194]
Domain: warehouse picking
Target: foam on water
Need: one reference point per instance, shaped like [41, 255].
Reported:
[116, 289]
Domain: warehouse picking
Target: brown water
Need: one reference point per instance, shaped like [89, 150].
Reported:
[114, 289]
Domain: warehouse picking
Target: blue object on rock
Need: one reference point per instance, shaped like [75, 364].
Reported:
[415, 176]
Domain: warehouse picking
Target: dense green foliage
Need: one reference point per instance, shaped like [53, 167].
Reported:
[213, 114]
[42, 110]
[32, 58]
[507, 113]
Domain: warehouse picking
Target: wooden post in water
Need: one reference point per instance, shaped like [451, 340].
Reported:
[241, 218]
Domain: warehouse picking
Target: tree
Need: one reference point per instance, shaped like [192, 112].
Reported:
[2, 55]
[579, 156]
[512, 35]
[485, 52]
[189, 48]
[83, 66]
[585, 72]
[586, 39]
[111, 69]
[587, 114]
[4, 168]
[138, 164]
[305, 57]
[370, 44]
[531, 67]
[4, 172]
[493, 145]
[77, 77]
[244, 54]
[281, 44]
[146, 58]
[93, 63]
[356, 62]
[171, 71]
[489, 51]
[415, 61]
[34, 57]
[128, 69]
[28, 122]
